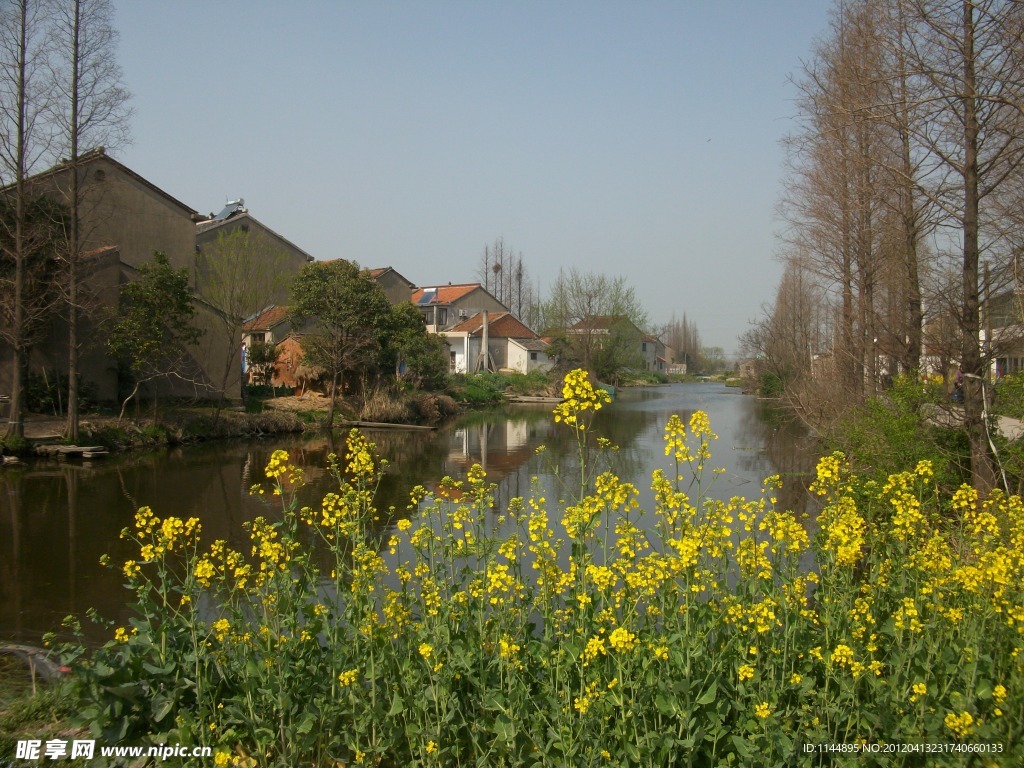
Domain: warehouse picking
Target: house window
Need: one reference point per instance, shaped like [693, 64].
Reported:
[451, 361]
[442, 316]
[533, 355]
[643, 346]
[258, 338]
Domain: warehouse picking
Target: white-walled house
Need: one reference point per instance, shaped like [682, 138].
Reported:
[510, 345]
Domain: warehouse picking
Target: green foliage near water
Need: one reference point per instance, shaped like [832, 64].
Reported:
[490, 388]
[575, 633]
[901, 426]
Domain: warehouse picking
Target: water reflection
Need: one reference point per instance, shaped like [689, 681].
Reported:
[57, 518]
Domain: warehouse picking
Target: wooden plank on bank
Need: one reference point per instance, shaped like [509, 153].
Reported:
[532, 399]
[384, 425]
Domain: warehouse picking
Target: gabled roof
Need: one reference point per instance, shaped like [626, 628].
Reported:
[531, 345]
[443, 294]
[267, 318]
[500, 325]
[381, 271]
[209, 225]
[99, 153]
[601, 323]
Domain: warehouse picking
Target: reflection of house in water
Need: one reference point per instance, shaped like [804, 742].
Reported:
[500, 447]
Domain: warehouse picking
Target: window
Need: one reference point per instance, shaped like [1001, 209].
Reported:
[533, 355]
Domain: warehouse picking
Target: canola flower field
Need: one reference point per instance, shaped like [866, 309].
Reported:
[692, 633]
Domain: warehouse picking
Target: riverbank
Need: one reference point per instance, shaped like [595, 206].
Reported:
[193, 424]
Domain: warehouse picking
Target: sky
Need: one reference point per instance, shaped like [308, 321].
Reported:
[634, 139]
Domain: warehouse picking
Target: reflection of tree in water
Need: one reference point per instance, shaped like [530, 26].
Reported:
[791, 449]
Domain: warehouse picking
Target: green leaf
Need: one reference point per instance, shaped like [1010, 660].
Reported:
[744, 747]
[665, 707]
[505, 729]
[161, 707]
[709, 695]
[397, 706]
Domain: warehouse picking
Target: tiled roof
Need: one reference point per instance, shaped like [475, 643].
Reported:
[443, 294]
[532, 345]
[268, 318]
[380, 271]
[503, 325]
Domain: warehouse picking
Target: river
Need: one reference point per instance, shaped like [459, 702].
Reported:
[58, 517]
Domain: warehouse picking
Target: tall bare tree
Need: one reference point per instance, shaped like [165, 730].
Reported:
[25, 97]
[242, 272]
[503, 273]
[91, 110]
[967, 57]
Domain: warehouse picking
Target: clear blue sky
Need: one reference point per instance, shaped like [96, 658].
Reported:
[628, 138]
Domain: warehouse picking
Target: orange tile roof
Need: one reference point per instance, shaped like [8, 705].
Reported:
[446, 294]
[499, 325]
[268, 318]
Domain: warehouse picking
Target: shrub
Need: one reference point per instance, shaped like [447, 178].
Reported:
[900, 427]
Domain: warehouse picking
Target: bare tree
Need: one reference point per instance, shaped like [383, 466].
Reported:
[967, 57]
[91, 110]
[242, 272]
[24, 100]
[504, 275]
[598, 319]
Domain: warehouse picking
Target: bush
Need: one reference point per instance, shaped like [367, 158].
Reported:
[48, 393]
[898, 428]
[488, 388]
[14, 446]
[482, 636]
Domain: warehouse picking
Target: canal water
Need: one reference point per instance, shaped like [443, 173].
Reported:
[58, 517]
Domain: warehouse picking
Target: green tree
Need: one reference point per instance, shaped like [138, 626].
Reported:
[600, 318]
[418, 356]
[349, 316]
[152, 330]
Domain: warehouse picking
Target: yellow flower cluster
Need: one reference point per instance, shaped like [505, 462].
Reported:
[580, 396]
[843, 529]
[622, 640]
[961, 725]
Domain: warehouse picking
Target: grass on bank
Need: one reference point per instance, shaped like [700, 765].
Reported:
[28, 711]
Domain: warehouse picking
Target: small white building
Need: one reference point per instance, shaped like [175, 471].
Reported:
[510, 345]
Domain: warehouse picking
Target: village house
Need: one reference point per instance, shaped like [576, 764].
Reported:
[396, 287]
[235, 217]
[510, 345]
[650, 353]
[274, 326]
[445, 306]
[124, 219]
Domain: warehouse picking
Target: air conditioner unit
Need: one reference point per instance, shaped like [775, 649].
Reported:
[463, 313]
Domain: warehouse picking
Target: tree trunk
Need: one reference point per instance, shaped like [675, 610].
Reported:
[982, 471]
[74, 244]
[16, 418]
